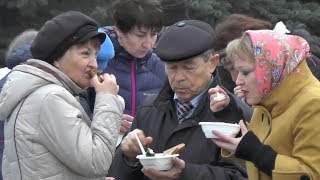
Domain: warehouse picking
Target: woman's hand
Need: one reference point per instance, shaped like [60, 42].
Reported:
[228, 143]
[126, 123]
[109, 84]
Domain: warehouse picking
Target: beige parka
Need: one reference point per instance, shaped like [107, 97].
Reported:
[48, 134]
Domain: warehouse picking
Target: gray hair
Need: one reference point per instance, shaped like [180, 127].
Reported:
[24, 37]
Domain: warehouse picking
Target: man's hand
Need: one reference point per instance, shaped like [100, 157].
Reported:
[216, 104]
[130, 146]
[178, 166]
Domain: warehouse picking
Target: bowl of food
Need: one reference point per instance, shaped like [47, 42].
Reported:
[228, 129]
[158, 161]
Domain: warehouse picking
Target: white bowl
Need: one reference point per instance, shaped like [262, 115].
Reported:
[225, 128]
[158, 162]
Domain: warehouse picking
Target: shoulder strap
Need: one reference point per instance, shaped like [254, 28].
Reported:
[45, 69]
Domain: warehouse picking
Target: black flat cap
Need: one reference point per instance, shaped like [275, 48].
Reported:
[61, 32]
[184, 40]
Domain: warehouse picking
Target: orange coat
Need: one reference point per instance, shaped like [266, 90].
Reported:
[288, 120]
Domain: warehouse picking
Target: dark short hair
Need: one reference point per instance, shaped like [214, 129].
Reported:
[233, 26]
[141, 13]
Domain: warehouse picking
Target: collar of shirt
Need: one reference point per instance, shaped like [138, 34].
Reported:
[195, 100]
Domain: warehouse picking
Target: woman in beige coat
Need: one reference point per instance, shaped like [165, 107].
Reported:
[47, 133]
[282, 140]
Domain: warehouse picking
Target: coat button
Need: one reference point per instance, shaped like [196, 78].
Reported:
[304, 177]
[181, 24]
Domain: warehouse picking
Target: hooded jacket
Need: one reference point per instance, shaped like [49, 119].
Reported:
[48, 134]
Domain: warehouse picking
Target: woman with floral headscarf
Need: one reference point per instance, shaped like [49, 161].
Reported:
[282, 140]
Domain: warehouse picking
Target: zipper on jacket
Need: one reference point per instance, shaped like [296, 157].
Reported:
[133, 87]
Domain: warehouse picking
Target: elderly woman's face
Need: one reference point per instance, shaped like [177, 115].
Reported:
[246, 79]
[78, 60]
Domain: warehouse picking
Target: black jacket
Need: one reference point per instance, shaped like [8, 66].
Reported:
[157, 118]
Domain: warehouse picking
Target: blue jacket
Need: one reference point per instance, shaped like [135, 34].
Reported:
[137, 78]
[19, 55]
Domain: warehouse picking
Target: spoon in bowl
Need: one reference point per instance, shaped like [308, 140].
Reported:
[140, 145]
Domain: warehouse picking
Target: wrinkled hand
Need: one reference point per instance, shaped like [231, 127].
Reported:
[130, 146]
[178, 166]
[109, 84]
[126, 123]
[237, 92]
[228, 143]
[215, 105]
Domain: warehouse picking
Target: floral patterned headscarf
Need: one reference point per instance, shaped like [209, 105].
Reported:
[276, 56]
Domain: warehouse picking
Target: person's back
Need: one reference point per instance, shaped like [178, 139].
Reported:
[18, 52]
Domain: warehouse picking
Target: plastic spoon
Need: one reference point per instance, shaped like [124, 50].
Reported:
[140, 145]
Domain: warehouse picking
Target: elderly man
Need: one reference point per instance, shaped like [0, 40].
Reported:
[173, 116]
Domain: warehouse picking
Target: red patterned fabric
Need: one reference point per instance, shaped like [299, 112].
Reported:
[276, 56]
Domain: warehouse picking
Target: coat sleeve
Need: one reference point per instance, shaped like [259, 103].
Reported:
[120, 168]
[87, 150]
[224, 169]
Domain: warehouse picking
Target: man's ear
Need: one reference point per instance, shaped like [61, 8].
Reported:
[213, 62]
